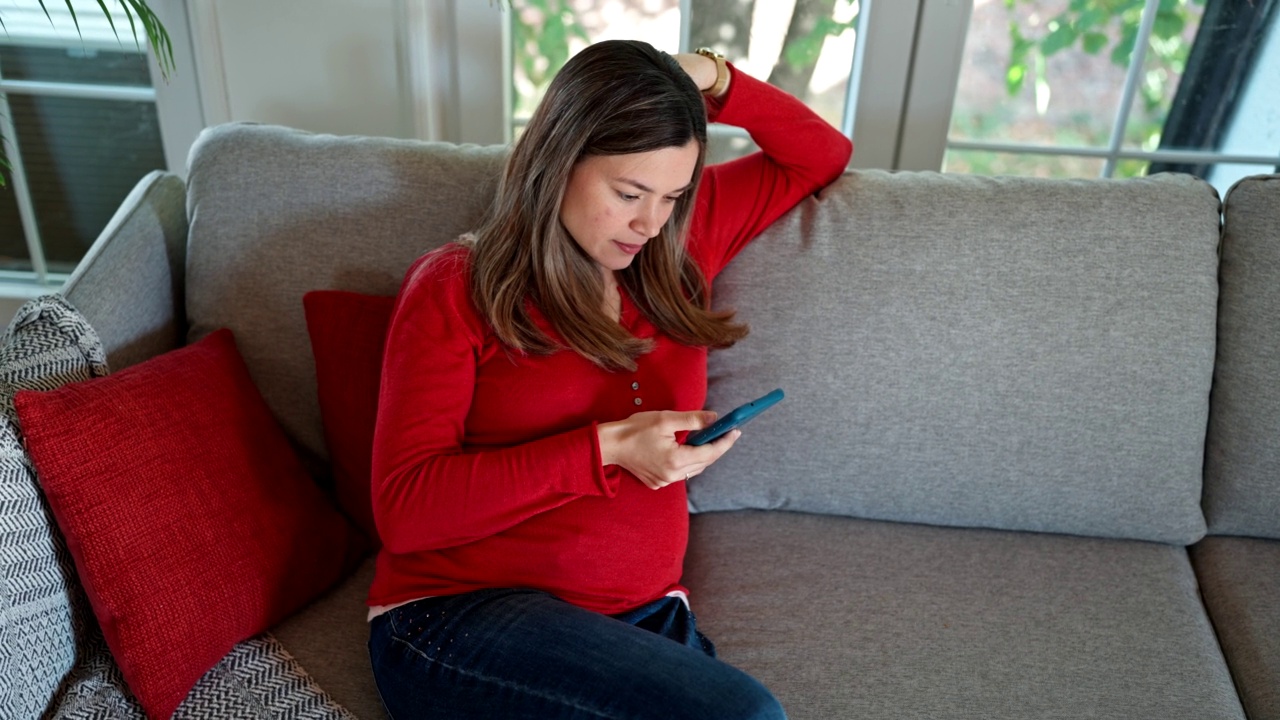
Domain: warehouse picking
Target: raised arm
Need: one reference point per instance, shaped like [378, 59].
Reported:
[800, 153]
[429, 490]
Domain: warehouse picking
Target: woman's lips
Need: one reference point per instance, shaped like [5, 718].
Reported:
[628, 249]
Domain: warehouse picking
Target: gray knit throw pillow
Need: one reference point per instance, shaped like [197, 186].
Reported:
[42, 608]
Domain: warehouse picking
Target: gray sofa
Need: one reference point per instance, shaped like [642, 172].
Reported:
[1029, 461]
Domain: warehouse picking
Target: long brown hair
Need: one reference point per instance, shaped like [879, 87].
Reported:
[615, 97]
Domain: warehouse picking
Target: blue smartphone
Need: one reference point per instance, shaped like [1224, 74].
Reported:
[735, 419]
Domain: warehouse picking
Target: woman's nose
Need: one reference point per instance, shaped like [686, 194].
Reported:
[648, 220]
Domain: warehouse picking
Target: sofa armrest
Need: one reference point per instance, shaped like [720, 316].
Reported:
[130, 284]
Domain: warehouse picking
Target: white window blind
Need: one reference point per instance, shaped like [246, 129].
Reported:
[26, 24]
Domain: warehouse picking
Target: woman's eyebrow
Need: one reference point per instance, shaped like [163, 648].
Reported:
[645, 188]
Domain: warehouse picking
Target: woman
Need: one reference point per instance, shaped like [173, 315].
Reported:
[539, 374]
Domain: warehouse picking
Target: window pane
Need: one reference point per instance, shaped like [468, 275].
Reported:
[982, 162]
[82, 157]
[1047, 72]
[13, 243]
[74, 65]
[1211, 82]
[1162, 74]
[1052, 72]
[802, 46]
[546, 33]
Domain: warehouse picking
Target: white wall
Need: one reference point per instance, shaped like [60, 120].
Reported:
[330, 66]
[351, 67]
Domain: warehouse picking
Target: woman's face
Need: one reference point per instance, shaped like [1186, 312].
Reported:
[614, 204]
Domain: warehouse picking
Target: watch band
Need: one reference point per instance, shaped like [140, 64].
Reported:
[722, 72]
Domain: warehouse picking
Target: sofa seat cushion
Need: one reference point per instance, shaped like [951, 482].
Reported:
[330, 640]
[1240, 580]
[846, 618]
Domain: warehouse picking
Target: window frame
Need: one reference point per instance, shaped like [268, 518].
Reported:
[178, 111]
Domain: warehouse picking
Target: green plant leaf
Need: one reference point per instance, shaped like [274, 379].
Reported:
[1021, 45]
[1091, 18]
[1016, 73]
[1014, 78]
[133, 28]
[46, 12]
[555, 43]
[74, 20]
[103, 4]
[1123, 49]
[803, 52]
[156, 34]
[1168, 25]
[1093, 42]
[1061, 37]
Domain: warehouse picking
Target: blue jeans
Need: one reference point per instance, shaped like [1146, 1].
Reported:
[515, 653]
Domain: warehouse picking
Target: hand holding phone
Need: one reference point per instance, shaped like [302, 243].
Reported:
[738, 417]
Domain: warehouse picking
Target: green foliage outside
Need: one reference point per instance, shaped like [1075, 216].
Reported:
[541, 43]
[1111, 27]
[137, 12]
[802, 52]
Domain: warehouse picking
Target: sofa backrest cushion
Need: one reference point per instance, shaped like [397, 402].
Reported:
[276, 212]
[956, 350]
[1242, 463]
[1013, 353]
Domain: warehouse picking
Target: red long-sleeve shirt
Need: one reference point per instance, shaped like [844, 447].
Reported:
[486, 465]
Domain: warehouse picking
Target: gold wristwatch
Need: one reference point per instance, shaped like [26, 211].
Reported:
[722, 72]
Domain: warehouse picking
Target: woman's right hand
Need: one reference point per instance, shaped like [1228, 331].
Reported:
[645, 444]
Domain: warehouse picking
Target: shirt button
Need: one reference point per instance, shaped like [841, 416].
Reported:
[638, 401]
[635, 386]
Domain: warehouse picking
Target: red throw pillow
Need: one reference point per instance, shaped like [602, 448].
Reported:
[348, 331]
[192, 523]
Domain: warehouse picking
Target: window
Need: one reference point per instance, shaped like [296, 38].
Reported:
[805, 47]
[1063, 88]
[79, 121]
[1116, 89]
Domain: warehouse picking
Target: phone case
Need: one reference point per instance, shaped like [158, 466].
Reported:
[735, 419]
